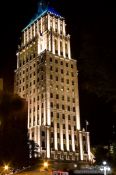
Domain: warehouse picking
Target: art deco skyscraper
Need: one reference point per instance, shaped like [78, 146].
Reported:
[46, 76]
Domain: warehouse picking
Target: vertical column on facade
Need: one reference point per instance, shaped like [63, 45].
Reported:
[38, 138]
[63, 43]
[27, 35]
[81, 145]
[53, 19]
[17, 60]
[55, 134]
[37, 26]
[67, 134]
[35, 115]
[48, 141]
[59, 45]
[34, 29]
[28, 111]
[64, 33]
[40, 110]
[49, 41]
[58, 26]
[77, 103]
[88, 146]
[30, 134]
[41, 25]
[68, 44]
[61, 136]
[53, 45]
[48, 99]
[35, 134]
[31, 32]
[44, 112]
[38, 44]
[73, 142]
[24, 38]
[48, 22]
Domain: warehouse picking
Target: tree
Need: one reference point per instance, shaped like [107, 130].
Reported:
[13, 130]
[101, 154]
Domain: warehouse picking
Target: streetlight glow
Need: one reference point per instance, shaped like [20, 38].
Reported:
[45, 164]
[6, 167]
[105, 168]
[104, 162]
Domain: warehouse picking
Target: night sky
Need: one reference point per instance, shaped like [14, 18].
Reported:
[92, 27]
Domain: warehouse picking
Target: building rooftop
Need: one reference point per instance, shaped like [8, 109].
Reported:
[41, 13]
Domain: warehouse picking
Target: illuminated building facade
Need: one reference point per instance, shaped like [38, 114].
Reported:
[47, 77]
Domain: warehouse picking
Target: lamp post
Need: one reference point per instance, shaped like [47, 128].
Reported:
[105, 168]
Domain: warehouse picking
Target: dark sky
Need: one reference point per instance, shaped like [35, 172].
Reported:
[93, 42]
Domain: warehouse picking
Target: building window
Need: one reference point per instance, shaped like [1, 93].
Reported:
[51, 68]
[73, 100]
[72, 82]
[51, 104]
[63, 126]
[51, 114]
[57, 106]
[58, 135]
[64, 136]
[63, 107]
[68, 117]
[43, 144]
[50, 59]
[73, 109]
[63, 116]
[57, 96]
[68, 99]
[61, 62]
[56, 69]
[68, 108]
[71, 65]
[57, 115]
[52, 134]
[66, 64]
[56, 61]
[51, 95]
[62, 79]
[69, 127]
[62, 71]
[43, 133]
[72, 74]
[62, 97]
[51, 77]
[58, 125]
[67, 81]
[74, 118]
[56, 78]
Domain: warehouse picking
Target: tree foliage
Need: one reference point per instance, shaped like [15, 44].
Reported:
[13, 130]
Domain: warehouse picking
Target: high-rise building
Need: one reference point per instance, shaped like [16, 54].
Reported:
[47, 77]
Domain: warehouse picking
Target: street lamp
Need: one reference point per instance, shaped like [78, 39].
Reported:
[6, 167]
[45, 164]
[105, 168]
